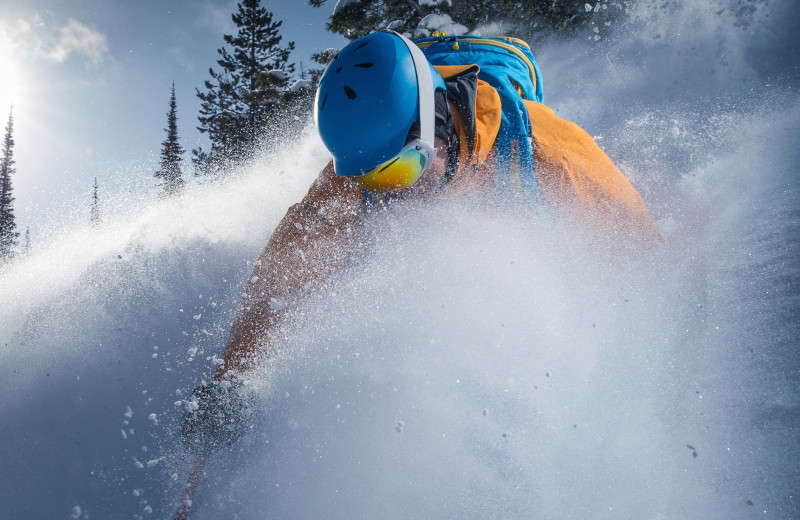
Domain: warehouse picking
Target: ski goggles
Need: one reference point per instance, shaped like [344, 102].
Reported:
[399, 172]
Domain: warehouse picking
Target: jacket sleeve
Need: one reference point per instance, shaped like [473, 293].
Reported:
[314, 239]
[576, 177]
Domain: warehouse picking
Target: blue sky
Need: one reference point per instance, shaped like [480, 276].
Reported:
[90, 80]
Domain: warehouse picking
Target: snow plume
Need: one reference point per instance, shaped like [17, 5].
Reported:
[102, 330]
[484, 366]
[492, 29]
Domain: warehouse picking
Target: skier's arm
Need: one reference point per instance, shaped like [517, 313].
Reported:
[314, 239]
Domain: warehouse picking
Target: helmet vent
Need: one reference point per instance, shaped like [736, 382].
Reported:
[322, 105]
[339, 70]
[351, 94]
[361, 46]
[365, 65]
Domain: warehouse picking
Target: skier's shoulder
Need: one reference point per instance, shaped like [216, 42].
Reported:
[331, 194]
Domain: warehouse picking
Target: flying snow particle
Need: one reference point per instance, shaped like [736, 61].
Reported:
[588, 7]
[128, 412]
[153, 418]
[276, 304]
[76, 512]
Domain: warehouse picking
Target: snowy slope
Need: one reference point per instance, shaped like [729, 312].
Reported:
[485, 367]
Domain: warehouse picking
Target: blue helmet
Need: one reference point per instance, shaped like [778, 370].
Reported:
[369, 98]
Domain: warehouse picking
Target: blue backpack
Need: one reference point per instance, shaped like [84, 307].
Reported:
[506, 64]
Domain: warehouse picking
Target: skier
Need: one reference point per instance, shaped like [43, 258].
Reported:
[404, 131]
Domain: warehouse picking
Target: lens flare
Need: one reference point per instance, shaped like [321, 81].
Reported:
[10, 91]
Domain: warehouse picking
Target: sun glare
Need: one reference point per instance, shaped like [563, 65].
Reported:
[10, 81]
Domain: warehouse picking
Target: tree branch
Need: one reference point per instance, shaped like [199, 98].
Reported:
[415, 6]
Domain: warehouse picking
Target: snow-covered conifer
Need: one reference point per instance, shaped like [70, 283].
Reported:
[8, 225]
[170, 173]
[242, 96]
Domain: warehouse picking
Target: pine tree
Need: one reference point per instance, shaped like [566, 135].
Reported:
[240, 99]
[170, 175]
[524, 18]
[521, 18]
[8, 225]
[94, 216]
[357, 18]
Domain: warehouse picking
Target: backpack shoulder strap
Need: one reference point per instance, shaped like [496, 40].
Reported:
[508, 66]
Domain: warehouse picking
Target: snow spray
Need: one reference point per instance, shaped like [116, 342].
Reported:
[474, 364]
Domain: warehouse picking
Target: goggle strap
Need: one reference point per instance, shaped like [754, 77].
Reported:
[427, 115]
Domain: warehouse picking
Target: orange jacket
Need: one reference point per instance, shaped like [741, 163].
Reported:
[576, 178]
[316, 237]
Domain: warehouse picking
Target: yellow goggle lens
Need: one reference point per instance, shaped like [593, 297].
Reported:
[395, 174]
